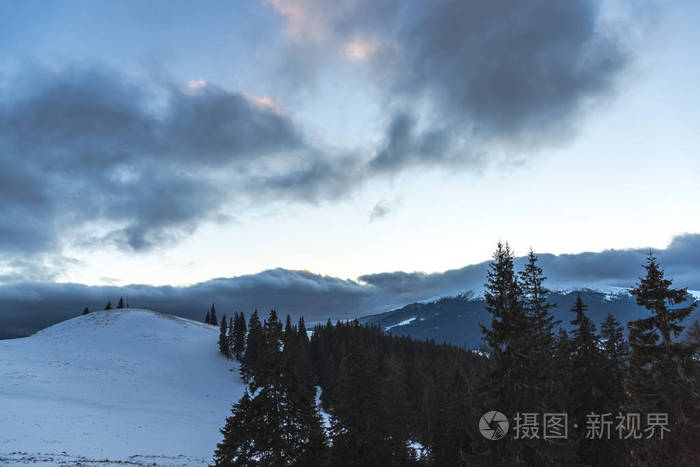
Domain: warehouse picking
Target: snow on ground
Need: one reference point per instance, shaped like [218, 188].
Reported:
[325, 416]
[113, 387]
[402, 323]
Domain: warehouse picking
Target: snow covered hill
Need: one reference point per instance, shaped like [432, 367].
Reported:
[127, 386]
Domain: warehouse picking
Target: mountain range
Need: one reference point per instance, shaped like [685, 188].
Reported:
[456, 320]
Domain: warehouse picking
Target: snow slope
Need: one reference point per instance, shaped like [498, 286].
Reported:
[123, 385]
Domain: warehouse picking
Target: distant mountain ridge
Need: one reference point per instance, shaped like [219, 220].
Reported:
[456, 319]
[26, 307]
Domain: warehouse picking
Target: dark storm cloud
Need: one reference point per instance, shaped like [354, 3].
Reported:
[502, 75]
[26, 307]
[92, 155]
[89, 155]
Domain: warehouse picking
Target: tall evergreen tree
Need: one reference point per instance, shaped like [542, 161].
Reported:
[613, 339]
[108, 306]
[358, 431]
[511, 360]
[239, 335]
[692, 337]
[396, 406]
[280, 425]
[207, 319]
[229, 335]
[253, 348]
[223, 338]
[290, 332]
[590, 391]
[454, 424]
[120, 305]
[303, 357]
[86, 311]
[268, 358]
[541, 380]
[662, 374]
[212, 316]
[615, 351]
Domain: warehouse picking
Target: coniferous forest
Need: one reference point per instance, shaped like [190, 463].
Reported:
[602, 397]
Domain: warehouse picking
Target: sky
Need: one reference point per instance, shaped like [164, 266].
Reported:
[171, 143]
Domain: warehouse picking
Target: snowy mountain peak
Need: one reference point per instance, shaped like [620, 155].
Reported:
[126, 321]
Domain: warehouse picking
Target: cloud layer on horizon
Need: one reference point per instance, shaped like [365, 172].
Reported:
[27, 307]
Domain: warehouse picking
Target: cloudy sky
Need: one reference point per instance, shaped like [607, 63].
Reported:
[172, 142]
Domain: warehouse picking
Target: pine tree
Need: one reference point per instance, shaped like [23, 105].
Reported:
[108, 306]
[280, 425]
[357, 422]
[207, 319]
[254, 343]
[614, 345]
[692, 337]
[537, 307]
[662, 373]
[229, 335]
[511, 360]
[453, 426]
[223, 338]
[542, 380]
[120, 305]
[270, 351]
[303, 357]
[239, 336]
[290, 332]
[86, 311]
[396, 406]
[212, 317]
[615, 351]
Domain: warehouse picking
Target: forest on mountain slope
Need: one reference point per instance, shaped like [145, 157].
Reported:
[620, 398]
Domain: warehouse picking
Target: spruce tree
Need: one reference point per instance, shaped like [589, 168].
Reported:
[239, 336]
[358, 431]
[396, 405]
[270, 351]
[615, 350]
[454, 424]
[108, 306]
[303, 358]
[223, 338]
[86, 311]
[614, 345]
[212, 316]
[207, 319]
[692, 337]
[511, 360]
[662, 374]
[542, 381]
[254, 343]
[290, 332]
[591, 387]
[120, 305]
[280, 425]
[229, 335]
